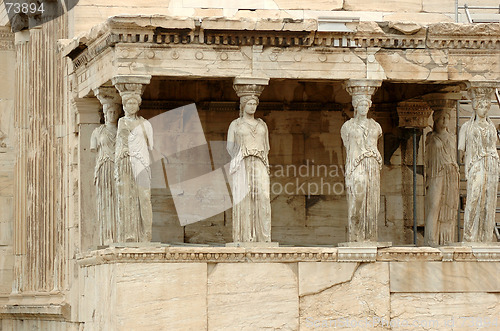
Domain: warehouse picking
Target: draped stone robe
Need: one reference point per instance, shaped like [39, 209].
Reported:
[362, 177]
[133, 177]
[103, 141]
[248, 146]
[441, 200]
[481, 171]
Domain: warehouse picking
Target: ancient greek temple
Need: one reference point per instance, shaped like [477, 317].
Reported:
[265, 165]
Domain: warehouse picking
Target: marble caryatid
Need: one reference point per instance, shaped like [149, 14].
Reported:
[132, 171]
[441, 200]
[478, 140]
[248, 145]
[362, 169]
[102, 142]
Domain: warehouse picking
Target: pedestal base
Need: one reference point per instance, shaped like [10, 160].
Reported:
[251, 244]
[366, 244]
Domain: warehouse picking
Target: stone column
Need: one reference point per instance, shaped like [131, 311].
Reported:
[134, 142]
[442, 171]
[414, 115]
[102, 143]
[87, 119]
[478, 139]
[248, 145]
[363, 164]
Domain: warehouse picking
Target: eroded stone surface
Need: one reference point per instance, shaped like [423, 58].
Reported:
[365, 296]
[315, 277]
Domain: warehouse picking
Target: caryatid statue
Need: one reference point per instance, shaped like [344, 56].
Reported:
[102, 142]
[363, 164]
[478, 140]
[132, 166]
[248, 145]
[442, 179]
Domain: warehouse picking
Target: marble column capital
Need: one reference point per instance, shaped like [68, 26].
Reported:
[131, 84]
[245, 86]
[107, 95]
[482, 89]
[365, 87]
[442, 100]
[413, 114]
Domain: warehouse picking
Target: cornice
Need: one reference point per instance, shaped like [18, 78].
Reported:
[163, 31]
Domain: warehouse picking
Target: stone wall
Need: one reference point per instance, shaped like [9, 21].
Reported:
[287, 289]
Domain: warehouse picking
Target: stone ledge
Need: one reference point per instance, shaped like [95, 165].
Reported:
[186, 254]
[46, 312]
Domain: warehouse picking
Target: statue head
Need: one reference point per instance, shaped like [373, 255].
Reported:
[441, 118]
[248, 104]
[361, 104]
[111, 112]
[131, 103]
[481, 100]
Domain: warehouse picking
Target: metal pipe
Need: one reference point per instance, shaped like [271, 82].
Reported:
[477, 7]
[456, 11]
[415, 186]
[468, 14]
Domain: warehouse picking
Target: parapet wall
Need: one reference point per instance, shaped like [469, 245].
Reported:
[289, 288]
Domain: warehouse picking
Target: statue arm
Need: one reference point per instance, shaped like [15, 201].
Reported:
[344, 134]
[231, 140]
[267, 147]
[461, 140]
[93, 140]
[149, 132]
[461, 137]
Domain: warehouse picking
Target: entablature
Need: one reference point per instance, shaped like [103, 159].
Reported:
[191, 48]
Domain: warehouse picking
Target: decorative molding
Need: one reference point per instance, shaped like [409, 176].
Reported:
[487, 253]
[161, 253]
[208, 255]
[410, 254]
[357, 254]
